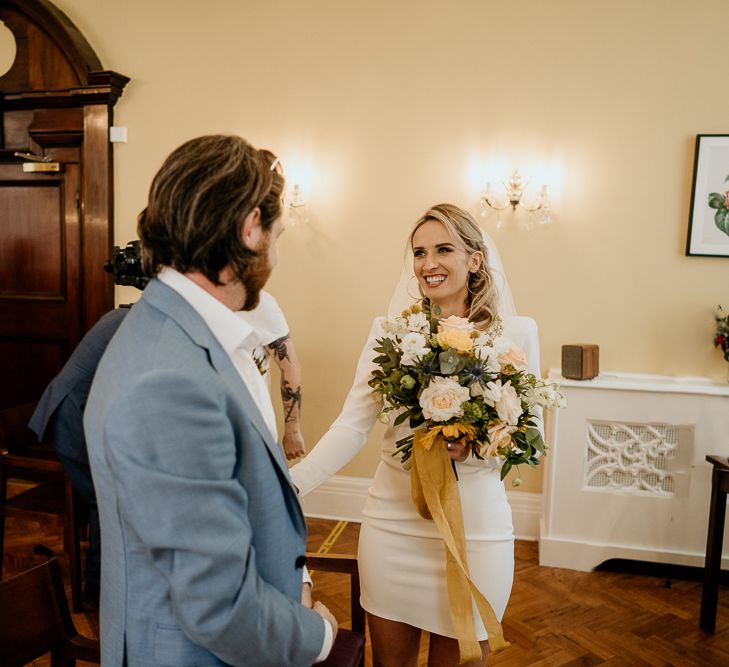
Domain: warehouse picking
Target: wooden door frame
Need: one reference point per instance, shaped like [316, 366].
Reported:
[95, 91]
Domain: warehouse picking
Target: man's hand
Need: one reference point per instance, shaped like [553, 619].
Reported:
[320, 609]
[293, 444]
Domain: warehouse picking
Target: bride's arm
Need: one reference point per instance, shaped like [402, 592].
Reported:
[349, 432]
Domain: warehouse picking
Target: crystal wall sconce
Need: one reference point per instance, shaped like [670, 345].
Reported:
[514, 190]
[297, 210]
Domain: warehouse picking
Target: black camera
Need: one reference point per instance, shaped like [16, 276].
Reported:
[126, 265]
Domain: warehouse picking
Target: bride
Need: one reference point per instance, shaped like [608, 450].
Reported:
[401, 555]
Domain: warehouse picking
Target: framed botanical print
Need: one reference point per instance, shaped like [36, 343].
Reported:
[708, 231]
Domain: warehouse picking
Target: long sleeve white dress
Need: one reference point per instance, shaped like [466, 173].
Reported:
[401, 555]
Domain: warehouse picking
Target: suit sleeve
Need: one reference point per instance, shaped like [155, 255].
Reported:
[179, 494]
[349, 432]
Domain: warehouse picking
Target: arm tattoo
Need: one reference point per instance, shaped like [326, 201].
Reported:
[278, 347]
[291, 399]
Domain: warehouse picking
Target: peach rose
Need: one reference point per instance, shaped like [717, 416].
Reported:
[455, 323]
[515, 357]
[499, 436]
[442, 399]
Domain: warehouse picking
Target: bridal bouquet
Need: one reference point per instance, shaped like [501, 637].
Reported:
[461, 384]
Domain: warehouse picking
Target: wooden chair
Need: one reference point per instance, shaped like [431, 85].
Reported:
[21, 456]
[714, 542]
[36, 620]
[349, 646]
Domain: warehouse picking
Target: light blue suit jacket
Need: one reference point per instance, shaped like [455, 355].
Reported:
[203, 534]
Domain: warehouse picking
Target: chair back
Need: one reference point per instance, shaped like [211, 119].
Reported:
[349, 646]
[23, 457]
[14, 432]
[35, 617]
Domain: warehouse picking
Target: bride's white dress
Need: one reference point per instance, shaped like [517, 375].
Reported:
[401, 555]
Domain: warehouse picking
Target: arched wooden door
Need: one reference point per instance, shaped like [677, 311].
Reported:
[56, 227]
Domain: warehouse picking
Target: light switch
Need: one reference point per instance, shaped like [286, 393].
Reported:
[118, 135]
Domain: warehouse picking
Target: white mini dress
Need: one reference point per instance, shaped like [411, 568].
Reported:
[401, 555]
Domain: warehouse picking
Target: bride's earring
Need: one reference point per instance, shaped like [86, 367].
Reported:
[419, 296]
[471, 278]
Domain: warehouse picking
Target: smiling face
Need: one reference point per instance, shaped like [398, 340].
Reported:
[443, 266]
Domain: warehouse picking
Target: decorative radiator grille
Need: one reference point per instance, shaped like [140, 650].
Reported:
[634, 457]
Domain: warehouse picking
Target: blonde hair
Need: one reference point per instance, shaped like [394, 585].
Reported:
[481, 300]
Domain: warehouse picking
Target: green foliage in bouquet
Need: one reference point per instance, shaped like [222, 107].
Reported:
[463, 384]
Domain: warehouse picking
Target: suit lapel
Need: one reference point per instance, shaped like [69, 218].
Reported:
[175, 306]
[222, 363]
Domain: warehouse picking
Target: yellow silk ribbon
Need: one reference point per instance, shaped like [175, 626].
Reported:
[435, 493]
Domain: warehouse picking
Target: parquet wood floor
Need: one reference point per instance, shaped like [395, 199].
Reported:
[555, 618]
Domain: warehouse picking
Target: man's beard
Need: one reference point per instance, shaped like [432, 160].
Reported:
[255, 275]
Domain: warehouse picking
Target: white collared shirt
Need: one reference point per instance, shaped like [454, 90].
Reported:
[235, 335]
[238, 338]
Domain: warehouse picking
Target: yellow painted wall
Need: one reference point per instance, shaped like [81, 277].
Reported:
[396, 105]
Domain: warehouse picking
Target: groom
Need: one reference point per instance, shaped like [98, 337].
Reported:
[203, 534]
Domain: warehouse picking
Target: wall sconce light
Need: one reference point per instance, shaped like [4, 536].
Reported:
[515, 188]
[297, 210]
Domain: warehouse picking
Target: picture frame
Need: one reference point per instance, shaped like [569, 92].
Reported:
[708, 229]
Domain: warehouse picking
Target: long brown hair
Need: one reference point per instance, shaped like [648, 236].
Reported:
[198, 201]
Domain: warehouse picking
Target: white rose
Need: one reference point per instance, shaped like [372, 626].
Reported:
[395, 325]
[413, 346]
[418, 322]
[549, 396]
[442, 399]
[509, 405]
[454, 323]
[533, 396]
[492, 393]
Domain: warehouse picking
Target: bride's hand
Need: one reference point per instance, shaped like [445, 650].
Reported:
[457, 451]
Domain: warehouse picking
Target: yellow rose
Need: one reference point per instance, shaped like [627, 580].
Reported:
[515, 357]
[458, 340]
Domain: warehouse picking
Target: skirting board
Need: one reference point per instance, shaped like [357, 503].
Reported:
[342, 498]
[583, 556]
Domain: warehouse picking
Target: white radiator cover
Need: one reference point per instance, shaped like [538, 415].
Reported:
[626, 476]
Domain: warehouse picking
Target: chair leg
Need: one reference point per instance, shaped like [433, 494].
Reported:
[358, 614]
[73, 548]
[712, 566]
[3, 498]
